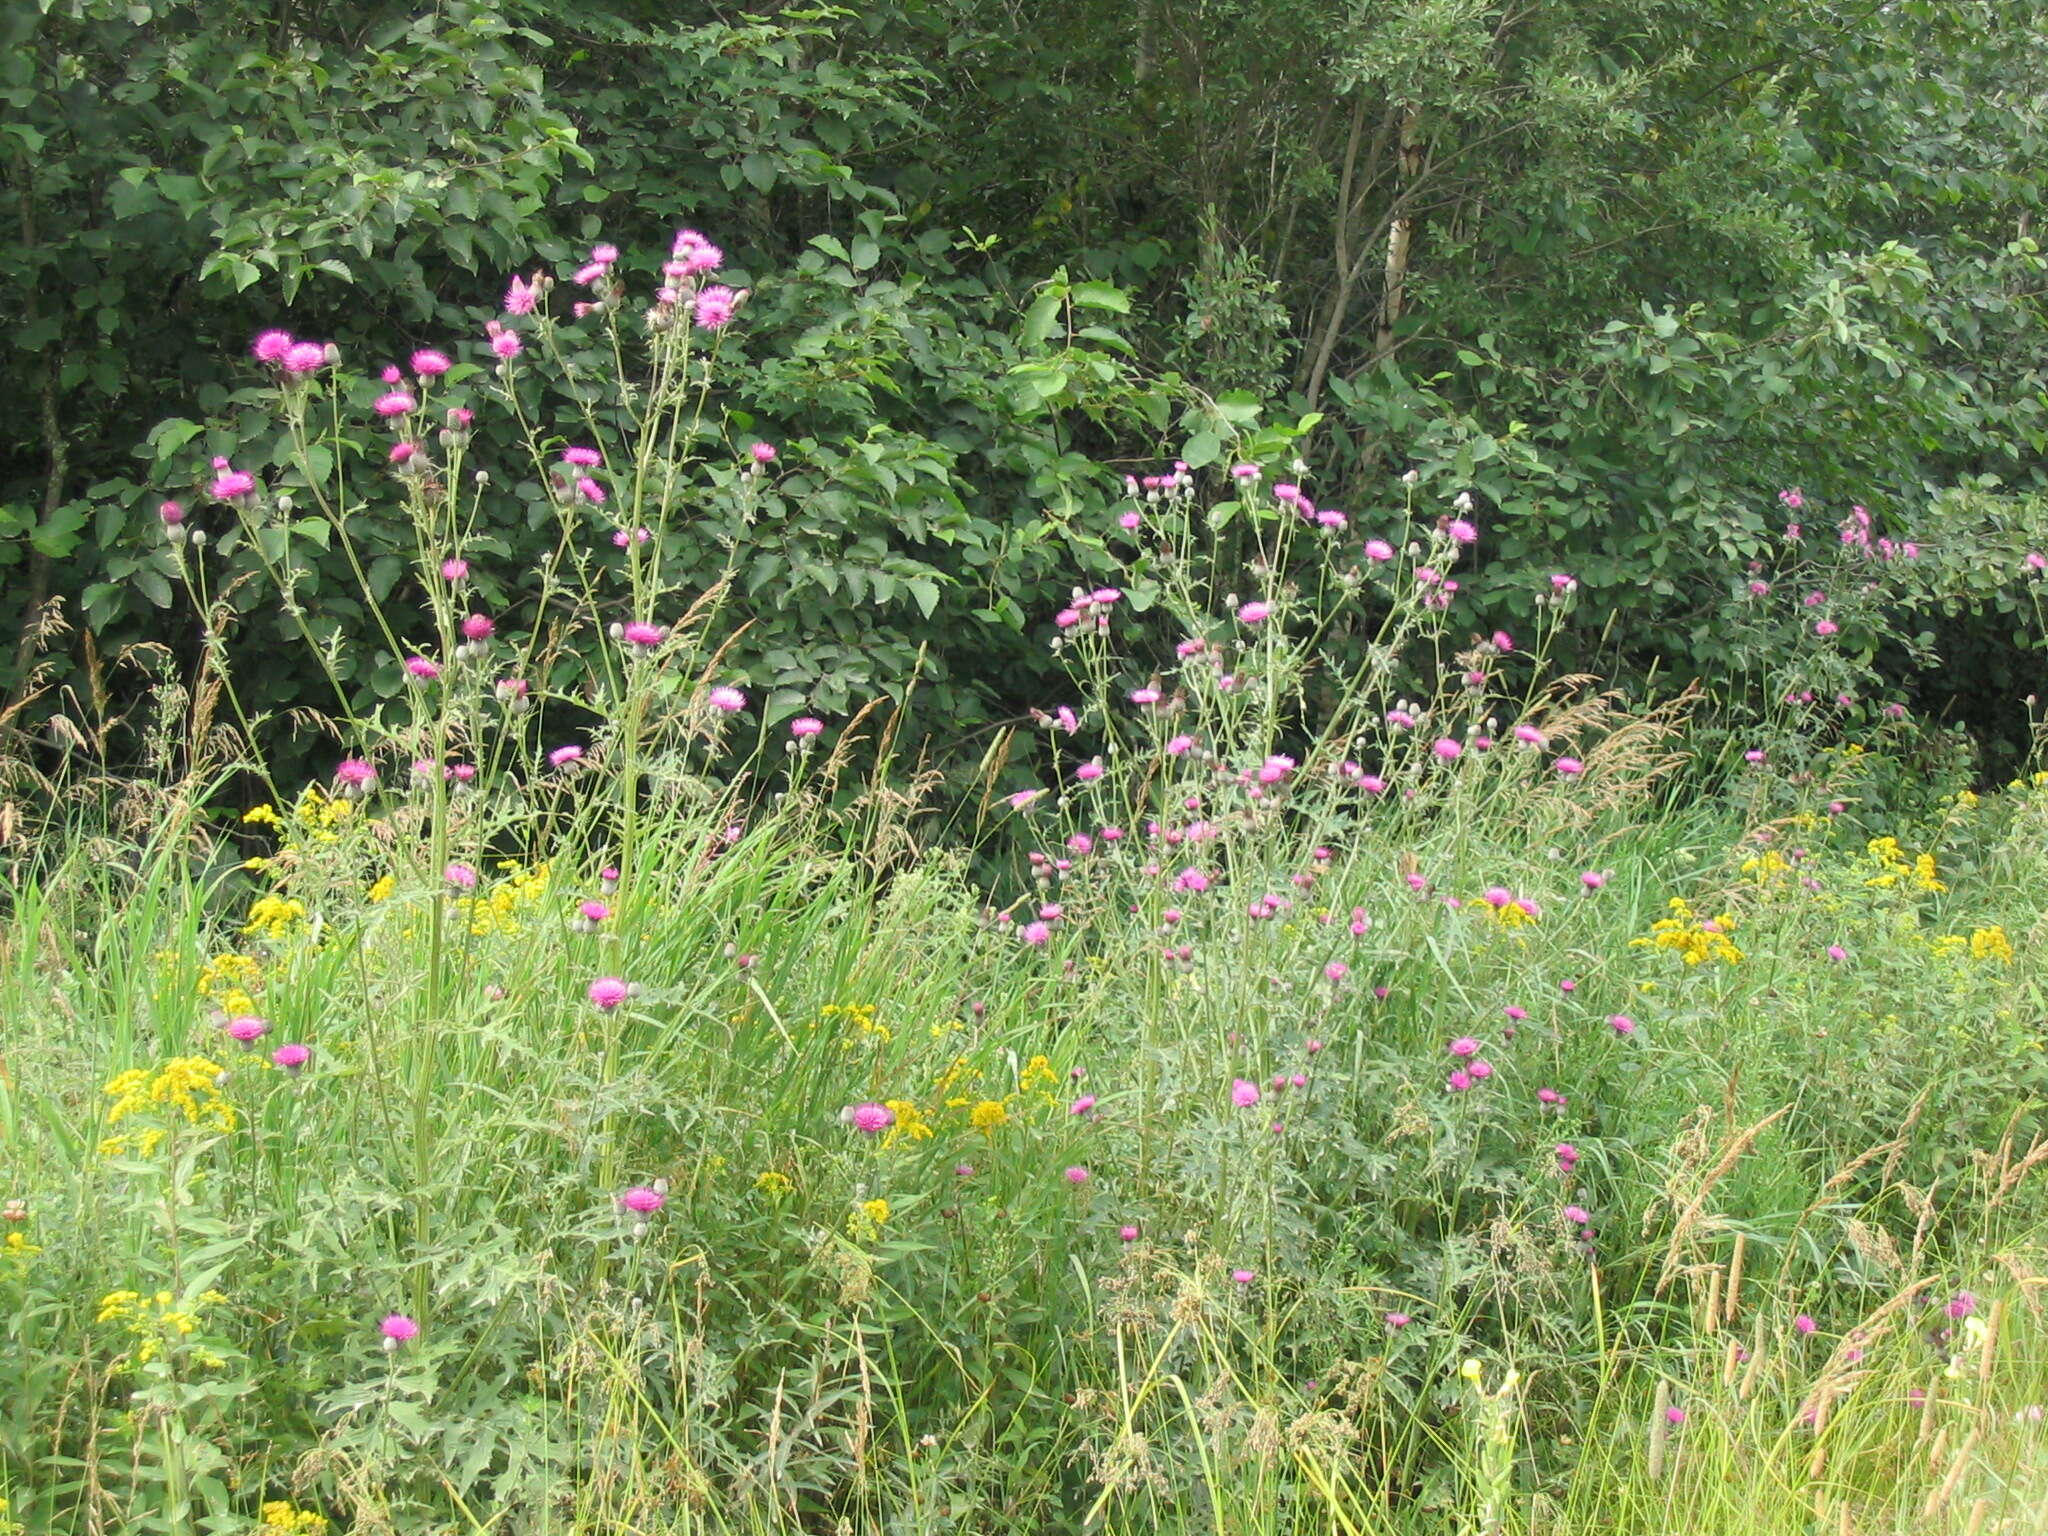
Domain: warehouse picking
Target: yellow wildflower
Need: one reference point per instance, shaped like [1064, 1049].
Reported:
[1694, 940]
[988, 1114]
[184, 1083]
[1991, 944]
[770, 1182]
[381, 888]
[876, 1211]
[1037, 1072]
[910, 1122]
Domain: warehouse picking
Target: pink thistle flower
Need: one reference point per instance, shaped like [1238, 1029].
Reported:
[1515, 1012]
[593, 911]
[402, 453]
[695, 254]
[1379, 551]
[1089, 771]
[1078, 1175]
[506, 345]
[1577, 1215]
[230, 484]
[607, 992]
[1179, 746]
[1836, 952]
[1336, 970]
[726, 699]
[1036, 934]
[1446, 749]
[398, 1329]
[1024, 799]
[1464, 1045]
[643, 1200]
[590, 490]
[1127, 1233]
[563, 756]
[1083, 1105]
[430, 364]
[1461, 532]
[453, 570]
[1570, 767]
[1961, 1305]
[642, 634]
[582, 458]
[604, 255]
[713, 307]
[1560, 582]
[271, 346]
[1804, 1323]
[521, 296]
[395, 403]
[421, 668]
[353, 773]
[805, 726]
[1549, 1096]
[305, 357]
[460, 876]
[477, 626]
[291, 1058]
[1254, 613]
[248, 1029]
[1621, 1023]
[1593, 879]
[1674, 1415]
[869, 1118]
[1459, 1081]
[1243, 1276]
[1826, 627]
[1243, 1093]
[171, 513]
[763, 453]
[1398, 1320]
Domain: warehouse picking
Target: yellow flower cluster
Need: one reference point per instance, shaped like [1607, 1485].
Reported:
[275, 917]
[1693, 939]
[381, 888]
[1768, 868]
[1893, 867]
[1982, 944]
[229, 981]
[153, 1319]
[865, 1224]
[502, 910]
[316, 815]
[988, 1114]
[861, 1018]
[184, 1083]
[910, 1125]
[281, 1519]
[771, 1182]
[17, 1249]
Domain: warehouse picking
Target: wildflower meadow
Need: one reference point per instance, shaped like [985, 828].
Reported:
[1322, 1068]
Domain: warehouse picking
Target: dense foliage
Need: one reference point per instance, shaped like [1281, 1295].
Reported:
[1621, 268]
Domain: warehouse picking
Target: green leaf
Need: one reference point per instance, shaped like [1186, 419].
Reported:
[1043, 315]
[1202, 449]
